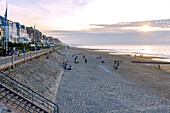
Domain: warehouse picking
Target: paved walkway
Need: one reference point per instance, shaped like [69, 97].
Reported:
[96, 89]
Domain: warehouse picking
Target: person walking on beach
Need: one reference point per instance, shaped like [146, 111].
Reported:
[85, 60]
[76, 55]
[159, 66]
[83, 56]
[65, 67]
[75, 59]
[115, 65]
[117, 62]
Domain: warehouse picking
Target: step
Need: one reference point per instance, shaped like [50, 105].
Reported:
[16, 102]
[23, 110]
[10, 101]
[31, 110]
[23, 104]
[37, 109]
[9, 96]
[2, 93]
[18, 98]
[27, 106]
[2, 89]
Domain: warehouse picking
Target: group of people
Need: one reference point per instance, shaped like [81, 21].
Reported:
[115, 62]
[15, 52]
[65, 66]
[76, 57]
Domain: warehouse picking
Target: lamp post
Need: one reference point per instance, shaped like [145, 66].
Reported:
[6, 20]
[34, 38]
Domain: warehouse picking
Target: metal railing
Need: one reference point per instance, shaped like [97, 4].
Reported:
[28, 93]
[12, 60]
[17, 100]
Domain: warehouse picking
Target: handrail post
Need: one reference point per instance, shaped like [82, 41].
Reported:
[24, 58]
[56, 111]
[12, 59]
[30, 56]
[36, 54]
[32, 96]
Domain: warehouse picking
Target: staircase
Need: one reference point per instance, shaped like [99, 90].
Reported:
[23, 98]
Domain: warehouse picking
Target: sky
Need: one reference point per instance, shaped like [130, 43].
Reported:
[95, 21]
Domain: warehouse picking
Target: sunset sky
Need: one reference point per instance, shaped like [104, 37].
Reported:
[94, 18]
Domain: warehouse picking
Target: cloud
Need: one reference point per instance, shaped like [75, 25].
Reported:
[114, 34]
[54, 14]
[2, 6]
[113, 11]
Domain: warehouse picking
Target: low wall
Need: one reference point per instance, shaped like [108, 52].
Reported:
[11, 61]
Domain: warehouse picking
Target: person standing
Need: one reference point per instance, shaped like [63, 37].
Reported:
[75, 59]
[70, 68]
[76, 55]
[23, 50]
[85, 60]
[118, 63]
[115, 62]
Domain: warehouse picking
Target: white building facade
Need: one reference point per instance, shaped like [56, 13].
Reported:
[23, 34]
[13, 37]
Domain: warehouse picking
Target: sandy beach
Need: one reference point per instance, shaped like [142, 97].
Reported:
[98, 87]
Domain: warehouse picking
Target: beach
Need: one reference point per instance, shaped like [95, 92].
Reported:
[98, 87]
[95, 86]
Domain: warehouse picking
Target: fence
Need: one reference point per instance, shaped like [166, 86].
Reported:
[11, 61]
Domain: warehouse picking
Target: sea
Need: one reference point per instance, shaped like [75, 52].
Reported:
[162, 51]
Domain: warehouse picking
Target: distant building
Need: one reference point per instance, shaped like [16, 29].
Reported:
[1, 32]
[43, 40]
[56, 41]
[38, 36]
[16, 33]
[10, 30]
[18, 30]
[1, 36]
[5, 27]
[13, 37]
[23, 34]
[30, 34]
[49, 40]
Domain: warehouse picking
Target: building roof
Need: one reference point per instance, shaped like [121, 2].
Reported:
[17, 24]
[23, 26]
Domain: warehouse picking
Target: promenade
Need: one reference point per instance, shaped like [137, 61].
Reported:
[9, 61]
[96, 87]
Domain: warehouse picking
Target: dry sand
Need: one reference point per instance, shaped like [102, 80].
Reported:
[135, 86]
